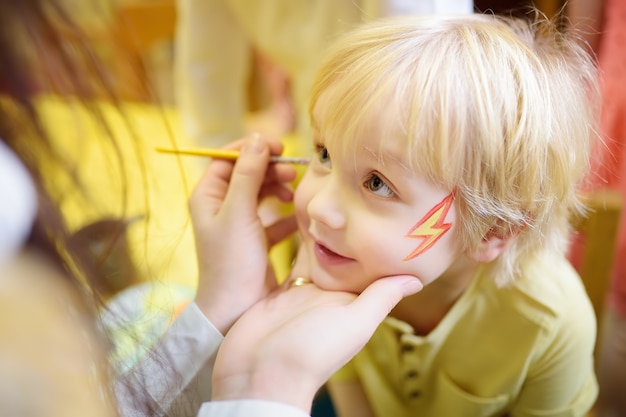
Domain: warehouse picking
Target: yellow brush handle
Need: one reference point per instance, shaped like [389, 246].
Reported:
[212, 153]
[229, 154]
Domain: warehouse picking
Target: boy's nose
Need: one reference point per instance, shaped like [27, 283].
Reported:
[326, 206]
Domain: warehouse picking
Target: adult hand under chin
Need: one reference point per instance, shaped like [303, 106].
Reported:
[286, 346]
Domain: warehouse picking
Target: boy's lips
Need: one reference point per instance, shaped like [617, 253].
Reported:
[326, 256]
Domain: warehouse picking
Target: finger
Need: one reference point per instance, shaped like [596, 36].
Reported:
[275, 145]
[210, 191]
[283, 192]
[220, 170]
[378, 299]
[281, 173]
[281, 229]
[248, 175]
[217, 175]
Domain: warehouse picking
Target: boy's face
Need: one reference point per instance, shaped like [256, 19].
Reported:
[364, 215]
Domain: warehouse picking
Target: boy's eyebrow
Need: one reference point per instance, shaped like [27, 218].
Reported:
[379, 157]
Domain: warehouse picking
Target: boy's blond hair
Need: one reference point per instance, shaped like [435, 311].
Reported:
[500, 110]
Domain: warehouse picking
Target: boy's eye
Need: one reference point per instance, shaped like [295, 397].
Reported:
[377, 186]
[322, 155]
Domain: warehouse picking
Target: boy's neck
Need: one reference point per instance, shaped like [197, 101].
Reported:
[424, 310]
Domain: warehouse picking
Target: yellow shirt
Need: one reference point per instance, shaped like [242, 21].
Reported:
[525, 350]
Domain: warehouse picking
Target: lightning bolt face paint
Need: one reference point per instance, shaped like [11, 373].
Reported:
[431, 227]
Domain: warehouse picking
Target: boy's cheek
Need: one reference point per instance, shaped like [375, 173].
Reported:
[300, 206]
[429, 265]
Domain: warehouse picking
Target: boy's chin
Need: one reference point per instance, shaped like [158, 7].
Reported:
[329, 283]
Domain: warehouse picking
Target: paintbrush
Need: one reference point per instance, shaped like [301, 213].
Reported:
[230, 154]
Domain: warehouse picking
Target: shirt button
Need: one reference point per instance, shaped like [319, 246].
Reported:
[415, 394]
[412, 374]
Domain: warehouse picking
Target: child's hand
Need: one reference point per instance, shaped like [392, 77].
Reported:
[231, 242]
[286, 346]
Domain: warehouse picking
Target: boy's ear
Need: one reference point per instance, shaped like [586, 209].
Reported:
[491, 247]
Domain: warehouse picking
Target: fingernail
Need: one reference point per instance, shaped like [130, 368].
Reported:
[254, 145]
[412, 286]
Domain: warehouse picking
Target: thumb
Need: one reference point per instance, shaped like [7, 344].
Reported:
[248, 174]
[380, 297]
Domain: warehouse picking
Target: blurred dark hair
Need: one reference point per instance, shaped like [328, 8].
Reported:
[42, 50]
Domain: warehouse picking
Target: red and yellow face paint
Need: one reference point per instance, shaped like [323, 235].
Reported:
[431, 227]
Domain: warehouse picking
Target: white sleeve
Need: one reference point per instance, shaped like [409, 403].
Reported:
[249, 408]
[176, 374]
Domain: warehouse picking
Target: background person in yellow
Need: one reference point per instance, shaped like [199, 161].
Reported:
[214, 59]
